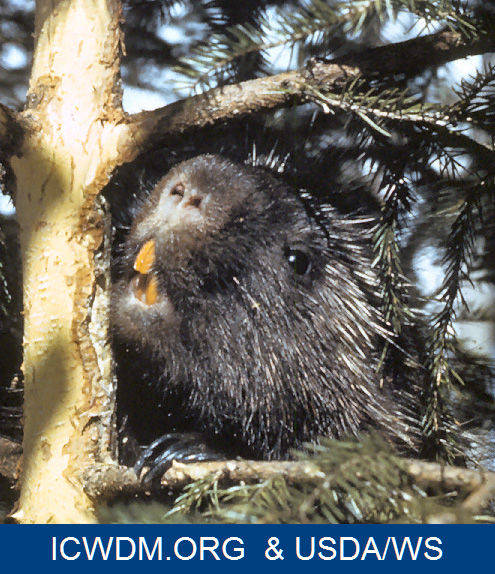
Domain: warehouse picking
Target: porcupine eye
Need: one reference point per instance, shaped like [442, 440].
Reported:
[299, 261]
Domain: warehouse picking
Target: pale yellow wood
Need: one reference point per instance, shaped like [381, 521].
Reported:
[73, 127]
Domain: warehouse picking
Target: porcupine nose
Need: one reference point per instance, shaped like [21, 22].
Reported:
[182, 205]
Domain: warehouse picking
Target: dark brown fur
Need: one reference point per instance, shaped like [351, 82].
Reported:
[267, 332]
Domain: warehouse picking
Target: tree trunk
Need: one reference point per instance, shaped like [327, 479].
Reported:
[70, 140]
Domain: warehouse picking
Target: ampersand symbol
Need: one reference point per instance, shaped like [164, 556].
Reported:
[271, 553]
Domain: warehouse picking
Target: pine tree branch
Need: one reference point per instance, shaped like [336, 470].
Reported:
[148, 129]
[426, 475]
[431, 121]
[233, 471]
[315, 23]
[104, 481]
[414, 56]
[481, 495]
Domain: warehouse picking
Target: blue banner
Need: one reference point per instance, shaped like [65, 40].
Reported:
[239, 548]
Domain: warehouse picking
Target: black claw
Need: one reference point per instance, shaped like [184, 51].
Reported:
[157, 458]
[148, 454]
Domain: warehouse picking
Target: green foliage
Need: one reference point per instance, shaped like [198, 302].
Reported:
[476, 100]
[316, 25]
[356, 482]
[360, 482]
[447, 134]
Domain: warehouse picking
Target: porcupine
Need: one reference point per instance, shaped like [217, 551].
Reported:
[246, 321]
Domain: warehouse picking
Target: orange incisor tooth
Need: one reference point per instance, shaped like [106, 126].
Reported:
[146, 288]
[145, 258]
[139, 286]
[151, 293]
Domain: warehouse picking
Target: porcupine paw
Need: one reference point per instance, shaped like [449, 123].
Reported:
[157, 457]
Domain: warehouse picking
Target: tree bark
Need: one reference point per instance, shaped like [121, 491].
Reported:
[71, 126]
